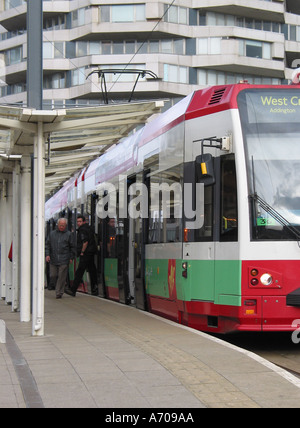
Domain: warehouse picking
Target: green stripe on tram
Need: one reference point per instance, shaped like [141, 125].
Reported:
[215, 281]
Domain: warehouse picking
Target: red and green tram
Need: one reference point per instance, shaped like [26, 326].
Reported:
[198, 213]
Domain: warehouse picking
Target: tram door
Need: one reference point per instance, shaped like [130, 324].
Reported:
[131, 258]
[131, 240]
[97, 226]
[122, 259]
[136, 227]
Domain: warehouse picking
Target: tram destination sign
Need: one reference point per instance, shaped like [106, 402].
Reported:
[273, 106]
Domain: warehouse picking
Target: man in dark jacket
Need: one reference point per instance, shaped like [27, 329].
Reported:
[60, 251]
[86, 249]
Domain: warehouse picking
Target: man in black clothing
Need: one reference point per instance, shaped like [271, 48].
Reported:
[86, 249]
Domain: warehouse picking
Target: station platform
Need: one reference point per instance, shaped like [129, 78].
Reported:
[99, 354]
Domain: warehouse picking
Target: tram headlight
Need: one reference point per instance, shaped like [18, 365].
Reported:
[266, 279]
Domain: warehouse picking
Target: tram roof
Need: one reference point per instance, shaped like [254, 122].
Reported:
[73, 137]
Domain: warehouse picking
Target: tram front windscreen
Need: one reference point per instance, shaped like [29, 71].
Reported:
[270, 120]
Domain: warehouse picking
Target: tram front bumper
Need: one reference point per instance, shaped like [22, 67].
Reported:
[277, 315]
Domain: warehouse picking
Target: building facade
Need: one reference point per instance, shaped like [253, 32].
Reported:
[183, 44]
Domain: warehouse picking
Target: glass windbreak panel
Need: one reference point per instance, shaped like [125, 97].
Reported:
[270, 121]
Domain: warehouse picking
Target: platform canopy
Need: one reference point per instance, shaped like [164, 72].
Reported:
[73, 137]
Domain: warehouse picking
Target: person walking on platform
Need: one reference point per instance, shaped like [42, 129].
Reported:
[60, 251]
[86, 249]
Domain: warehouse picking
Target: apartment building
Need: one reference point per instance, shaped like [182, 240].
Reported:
[172, 46]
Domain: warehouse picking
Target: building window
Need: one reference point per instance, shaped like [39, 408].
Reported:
[175, 73]
[129, 46]
[210, 45]
[78, 17]
[118, 48]
[220, 19]
[47, 50]
[55, 23]
[255, 49]
[95, 48]
[53, 50]
[166, 46]
[81, 49]
[13, 89]
[78, 76]
[106, 48]
[58, 80]
[55, 81]
[213, 77]
[176, 14]
[58, 50]
[104, 13]
[123, 13]
[10, 4]
[13, 56]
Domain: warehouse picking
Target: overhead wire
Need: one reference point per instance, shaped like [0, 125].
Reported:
[129, 62]
[145, 40]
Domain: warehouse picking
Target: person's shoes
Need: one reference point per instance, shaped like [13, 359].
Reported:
[59, 296]
[95, 292]
[70, 292]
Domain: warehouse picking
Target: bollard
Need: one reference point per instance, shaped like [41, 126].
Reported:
[2, 332]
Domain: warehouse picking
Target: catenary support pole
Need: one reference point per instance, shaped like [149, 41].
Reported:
[35, 54]
[39, 232]
[3, 239]
[25, 239]
[35, 101]
[16, 238]
[8, 225]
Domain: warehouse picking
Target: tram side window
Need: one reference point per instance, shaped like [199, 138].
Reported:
[111, 238]
[206, 231]
[154, 211]
[229, 214]
[165, 212]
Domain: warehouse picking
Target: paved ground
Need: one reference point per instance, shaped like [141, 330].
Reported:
[99, 354]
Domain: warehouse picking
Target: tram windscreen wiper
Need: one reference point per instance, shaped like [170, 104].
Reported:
[276, 215]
